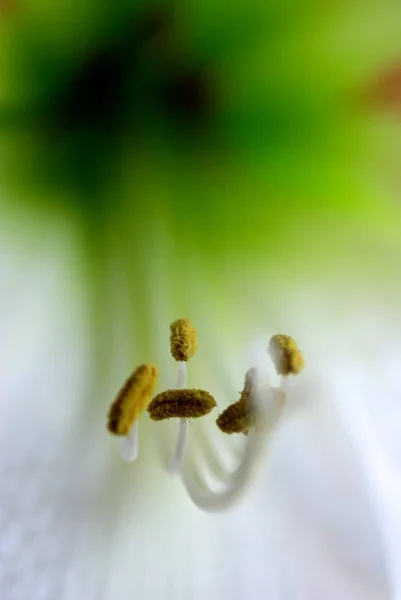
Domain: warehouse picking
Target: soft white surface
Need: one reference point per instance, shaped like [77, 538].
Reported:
[322, 522]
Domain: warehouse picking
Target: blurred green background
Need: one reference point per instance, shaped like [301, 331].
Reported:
[245, 140]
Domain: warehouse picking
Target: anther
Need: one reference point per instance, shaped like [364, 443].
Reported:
[181, 404]
[182, 340]
[286, 356]
[236, 418]
[131, 401]
[242, 415]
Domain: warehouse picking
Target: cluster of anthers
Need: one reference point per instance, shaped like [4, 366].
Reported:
[251, 415]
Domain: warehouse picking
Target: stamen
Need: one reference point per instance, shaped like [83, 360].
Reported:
[183, 347]
[131, 401]
[182, 404]
[254, 415]
[182, 340]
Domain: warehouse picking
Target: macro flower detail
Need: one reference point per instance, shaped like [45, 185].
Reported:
[254, 414]
[236, 163]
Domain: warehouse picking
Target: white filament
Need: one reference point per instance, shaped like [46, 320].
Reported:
[182, 428]
[216, 453]
[129, 444]
[212, 501]
[182, 376]
[238, 481]
[179, 449]
[284, 383]
[235, 482]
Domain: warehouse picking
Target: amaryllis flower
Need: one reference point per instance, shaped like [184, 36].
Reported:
[213, 162]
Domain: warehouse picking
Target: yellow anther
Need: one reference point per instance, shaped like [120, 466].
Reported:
[182, 340]
[286, 355]
[132, 399]
[241, 416]
[236, 418]
[182, 404]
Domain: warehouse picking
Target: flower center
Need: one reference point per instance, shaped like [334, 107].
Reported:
[251, 415]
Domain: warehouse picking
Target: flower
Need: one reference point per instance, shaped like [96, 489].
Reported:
[252, 212]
